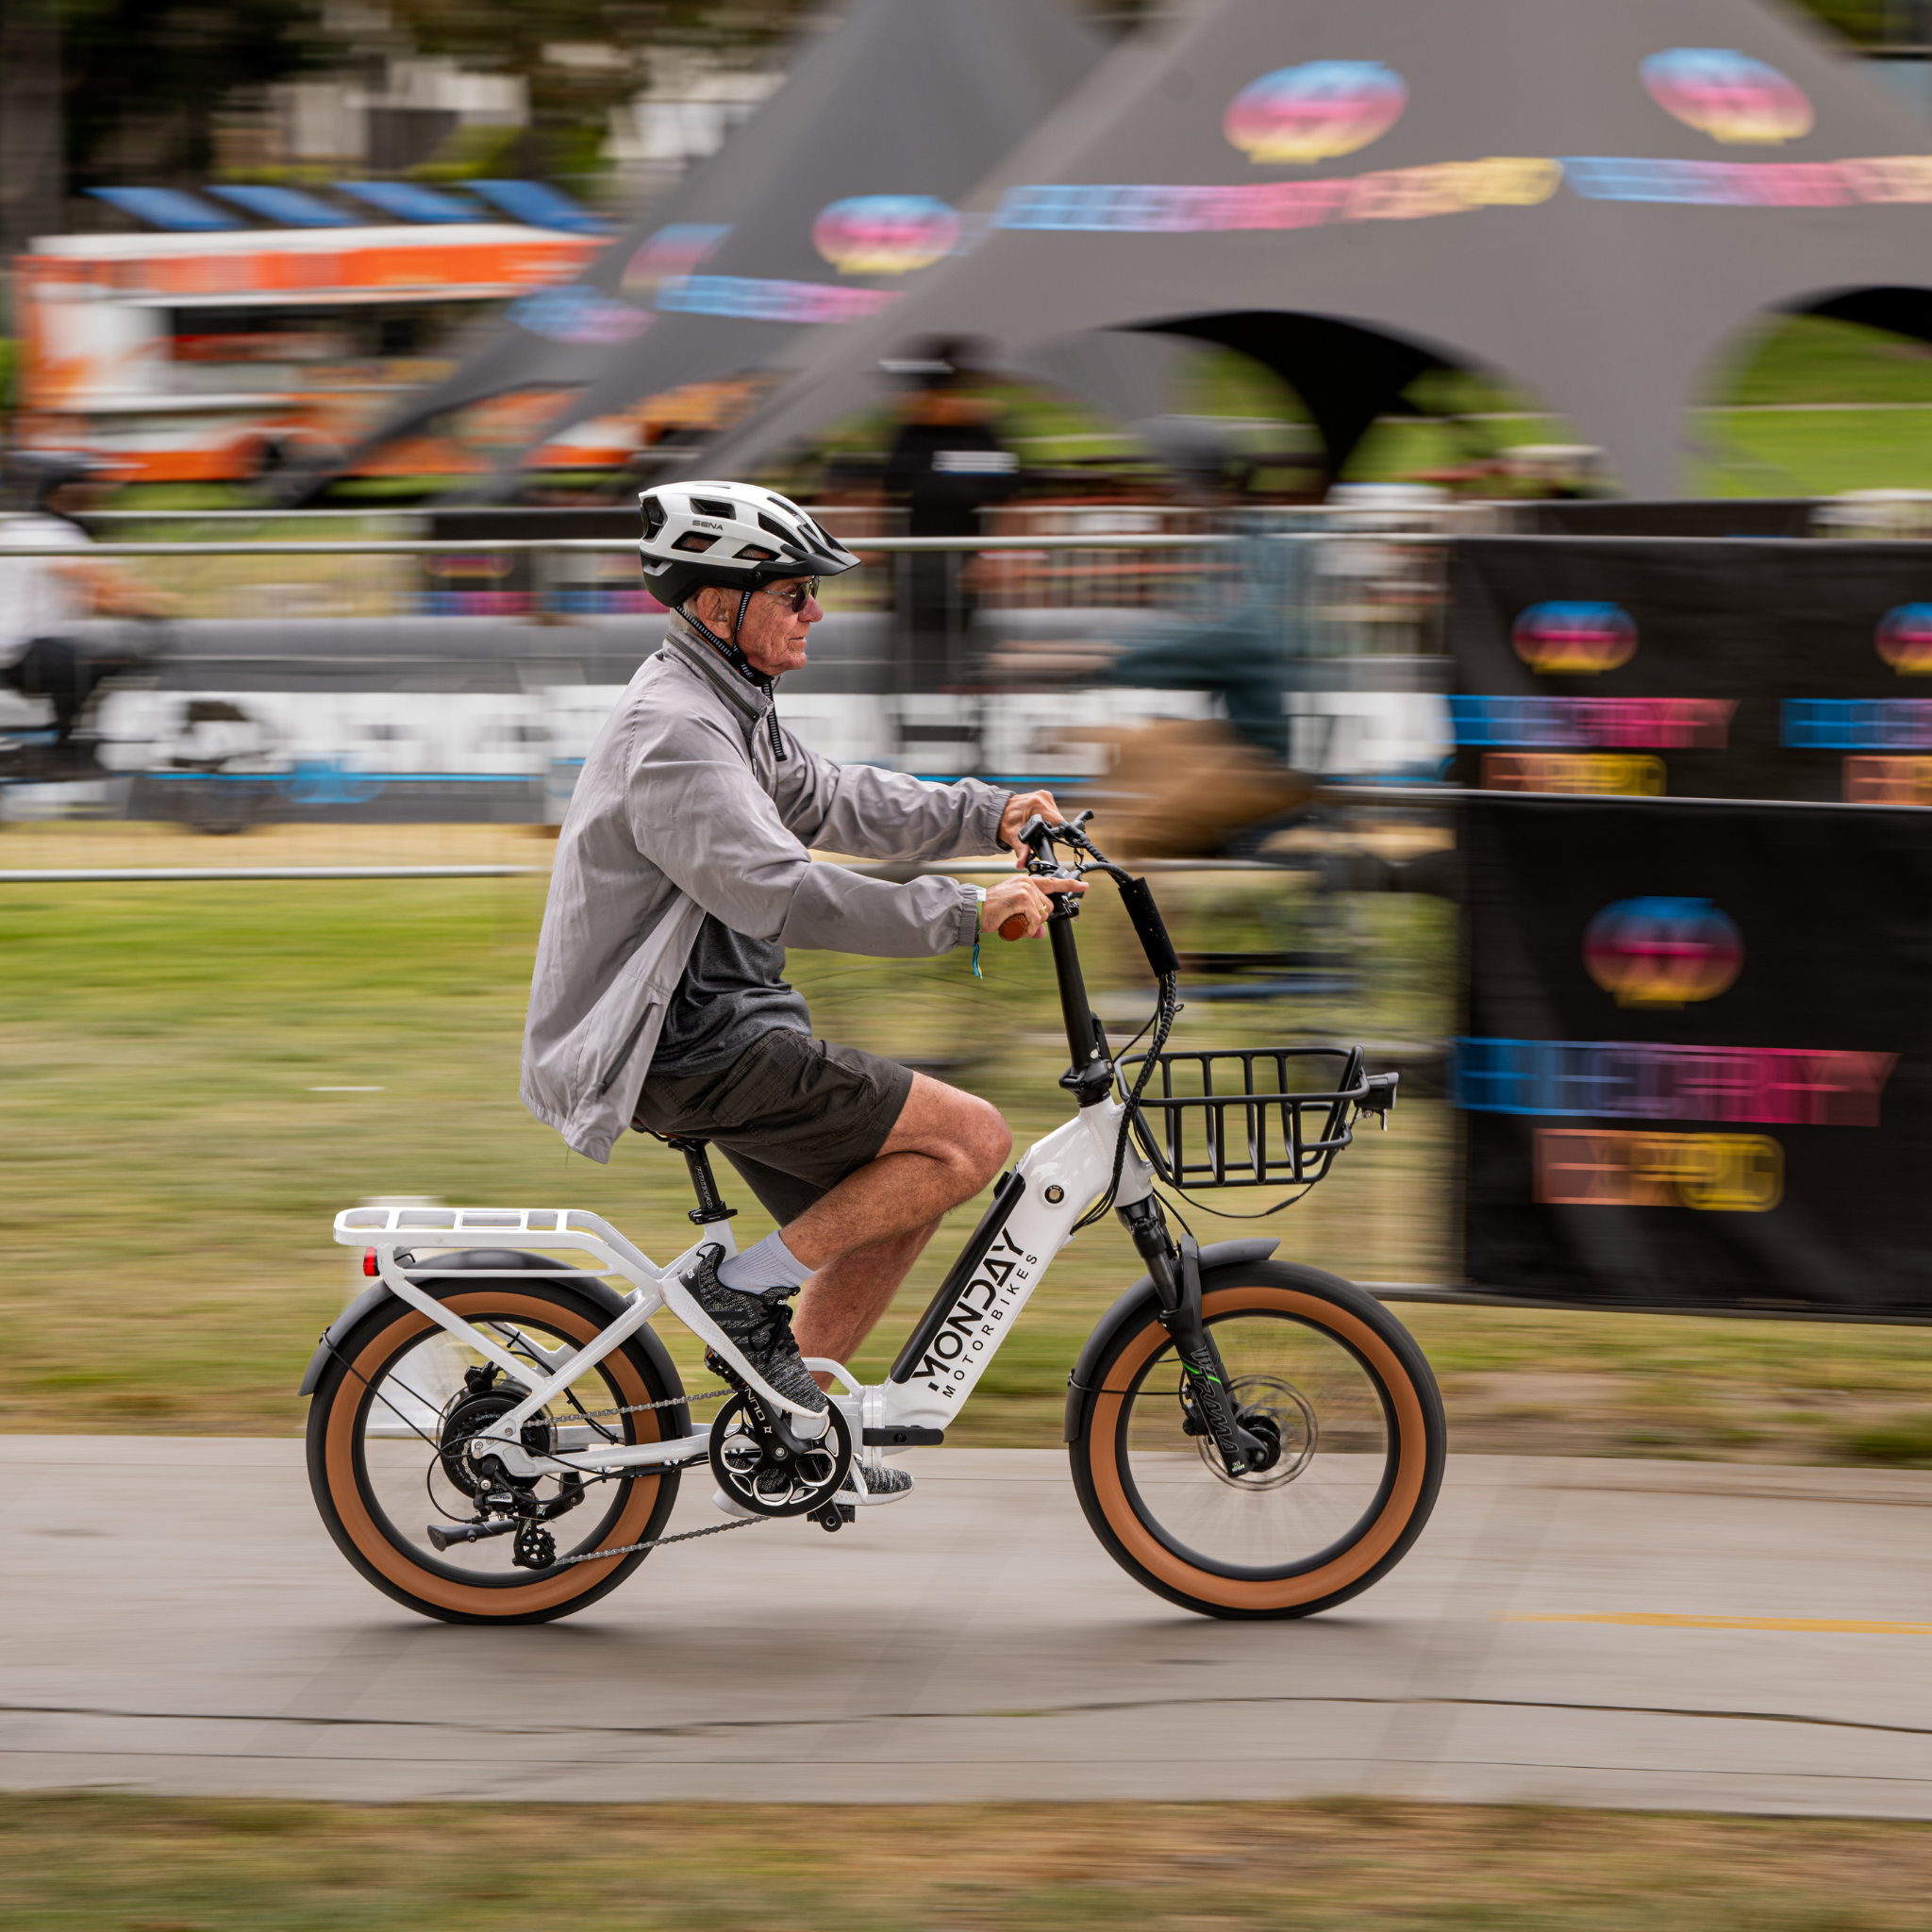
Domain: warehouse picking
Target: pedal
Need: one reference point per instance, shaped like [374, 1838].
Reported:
[833, 1517]
[441, 1535]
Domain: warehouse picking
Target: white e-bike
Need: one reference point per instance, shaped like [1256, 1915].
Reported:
[496, 1433]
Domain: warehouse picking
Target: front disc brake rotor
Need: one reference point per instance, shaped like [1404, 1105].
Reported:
[1282, 1418]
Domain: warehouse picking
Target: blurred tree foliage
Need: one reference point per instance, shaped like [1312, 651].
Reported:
[581, 59]
[1870, 22]
[142, 81]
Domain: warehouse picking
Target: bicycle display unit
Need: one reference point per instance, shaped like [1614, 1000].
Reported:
[497, 1434]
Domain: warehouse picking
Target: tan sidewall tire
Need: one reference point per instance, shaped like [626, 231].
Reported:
[434, 1591]
[1412, 1487]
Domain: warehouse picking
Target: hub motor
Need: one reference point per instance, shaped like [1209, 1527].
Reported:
[484, 1398]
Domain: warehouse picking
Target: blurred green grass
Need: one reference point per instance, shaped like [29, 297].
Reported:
[170, 1174]
[92, 1861]
[1859, 404]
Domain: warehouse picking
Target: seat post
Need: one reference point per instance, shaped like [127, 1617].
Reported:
[697, 1159]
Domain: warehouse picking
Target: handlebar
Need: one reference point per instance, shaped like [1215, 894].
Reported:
[1039, 839]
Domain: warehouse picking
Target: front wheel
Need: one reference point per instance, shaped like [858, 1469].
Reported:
[1326, 1374]
[400, 1395]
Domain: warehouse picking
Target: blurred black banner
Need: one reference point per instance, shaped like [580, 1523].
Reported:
[1698, 1061]
[1698, 668]
[1717, 516]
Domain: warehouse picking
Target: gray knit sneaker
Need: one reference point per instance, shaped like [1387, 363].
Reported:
[759, 1327]
[879, 1483]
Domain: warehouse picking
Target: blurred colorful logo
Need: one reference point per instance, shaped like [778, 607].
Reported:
[1728, 96]
[1905, 639]
[1656, 952]
[674, 250]
[1316, 112]
[1565, 637]
[885, 234]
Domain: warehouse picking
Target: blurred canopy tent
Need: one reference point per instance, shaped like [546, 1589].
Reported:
[819, 209]
[290, 206]
[172, 208]
[1590, 199]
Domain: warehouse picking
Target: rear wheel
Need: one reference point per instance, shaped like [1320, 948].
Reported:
[393, 1405]
[1324, 1374]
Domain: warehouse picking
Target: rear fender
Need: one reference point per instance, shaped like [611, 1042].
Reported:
[372, 1297]
[1129, 1308]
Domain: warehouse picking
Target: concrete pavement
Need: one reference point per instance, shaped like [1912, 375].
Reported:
[1620, 1633]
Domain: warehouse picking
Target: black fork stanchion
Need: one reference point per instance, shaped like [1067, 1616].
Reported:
[1173, 1265]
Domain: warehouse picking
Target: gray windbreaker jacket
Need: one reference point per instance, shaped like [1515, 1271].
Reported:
[682, 809]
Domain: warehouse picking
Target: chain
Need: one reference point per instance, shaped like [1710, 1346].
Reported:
[668, 1402]
[657, 1542]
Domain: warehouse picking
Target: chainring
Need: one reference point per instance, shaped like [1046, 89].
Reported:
[758, 1467]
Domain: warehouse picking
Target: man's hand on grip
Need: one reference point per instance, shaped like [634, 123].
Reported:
[1016, 908]
[1020, 806]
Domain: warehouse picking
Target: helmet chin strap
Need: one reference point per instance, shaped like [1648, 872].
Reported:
[733, 655]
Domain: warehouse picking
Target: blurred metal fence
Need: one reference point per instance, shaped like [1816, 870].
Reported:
[338, 668]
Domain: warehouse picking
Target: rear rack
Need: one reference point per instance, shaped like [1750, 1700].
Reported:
[1231, 1117]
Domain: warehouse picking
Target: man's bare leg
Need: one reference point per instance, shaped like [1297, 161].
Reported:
[841, 1303]
[863, 1237]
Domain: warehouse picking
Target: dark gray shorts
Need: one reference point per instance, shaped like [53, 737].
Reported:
[794, 1115]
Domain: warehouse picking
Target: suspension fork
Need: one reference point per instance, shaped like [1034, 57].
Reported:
[1173, 1265]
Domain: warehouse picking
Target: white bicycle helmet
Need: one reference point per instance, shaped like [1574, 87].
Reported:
[734, 535]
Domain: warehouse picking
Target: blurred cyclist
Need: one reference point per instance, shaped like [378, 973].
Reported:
[44, 598]
[682, 874]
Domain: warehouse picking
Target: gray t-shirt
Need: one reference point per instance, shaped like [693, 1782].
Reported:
[733, 991]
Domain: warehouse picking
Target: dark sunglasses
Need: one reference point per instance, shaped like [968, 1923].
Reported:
[797, 600]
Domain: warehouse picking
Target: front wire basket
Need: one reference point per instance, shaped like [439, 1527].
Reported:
[1232, 1117]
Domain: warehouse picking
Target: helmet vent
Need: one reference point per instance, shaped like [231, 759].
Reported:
[653, 514]
[755, 554]
[710, 506]
[778, 529]
[694, 540]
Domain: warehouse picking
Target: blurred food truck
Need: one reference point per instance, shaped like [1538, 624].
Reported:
[193, 358]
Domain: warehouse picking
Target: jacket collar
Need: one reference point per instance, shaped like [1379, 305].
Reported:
[680, 639]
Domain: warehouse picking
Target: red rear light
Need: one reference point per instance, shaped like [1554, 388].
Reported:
[369, 1267]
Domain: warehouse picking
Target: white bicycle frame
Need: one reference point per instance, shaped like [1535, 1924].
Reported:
[1058, 1176]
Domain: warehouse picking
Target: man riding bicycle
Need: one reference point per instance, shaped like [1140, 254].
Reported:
[682, 874]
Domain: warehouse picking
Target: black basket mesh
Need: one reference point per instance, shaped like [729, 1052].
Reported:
[1246, 1117]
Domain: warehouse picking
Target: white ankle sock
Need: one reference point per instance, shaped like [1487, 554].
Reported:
[765, 1265]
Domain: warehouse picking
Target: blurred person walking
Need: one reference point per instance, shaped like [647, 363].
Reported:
[43, 599]
[682, 874]
[1199, 787]
[946, 465]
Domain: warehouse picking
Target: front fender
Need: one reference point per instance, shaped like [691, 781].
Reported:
[1215, 1255]
[377, 1292]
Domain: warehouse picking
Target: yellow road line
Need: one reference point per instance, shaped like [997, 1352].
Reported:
[1665, 1620]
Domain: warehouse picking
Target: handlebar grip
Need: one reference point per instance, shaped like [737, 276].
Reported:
[1013, 929]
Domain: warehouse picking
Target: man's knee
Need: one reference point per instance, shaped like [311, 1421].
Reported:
[983, 1139]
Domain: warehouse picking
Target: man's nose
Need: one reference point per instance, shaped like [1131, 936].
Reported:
[813, 610]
